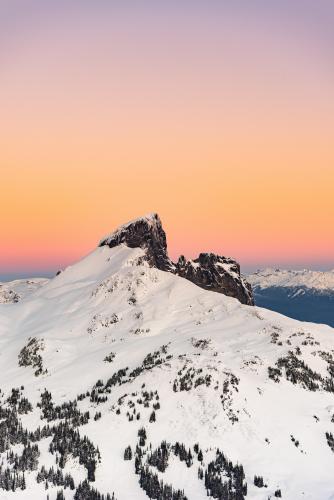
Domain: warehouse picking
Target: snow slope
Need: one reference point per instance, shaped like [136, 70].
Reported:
[210, 362]
[13, 291]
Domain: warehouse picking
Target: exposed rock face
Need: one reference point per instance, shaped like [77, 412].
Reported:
[216, 273]
[209, 271]
[147, 233]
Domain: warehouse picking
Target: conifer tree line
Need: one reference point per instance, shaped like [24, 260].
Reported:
[11, 480]
[30, 355]
[330, 440]
[143, 398]
[68, 410]
[189, 378]
[155, 488]
[55, 478]
[298, 372]
[28, 460]
[258, 481]
[148, 480]
[66, 441]
[85, 492]
[222, 479]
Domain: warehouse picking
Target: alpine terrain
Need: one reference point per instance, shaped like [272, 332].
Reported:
[306, 295]
[129, 377]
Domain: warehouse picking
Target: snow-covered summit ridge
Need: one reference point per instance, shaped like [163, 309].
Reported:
[318, 280]
[210, 271]
[14, 291]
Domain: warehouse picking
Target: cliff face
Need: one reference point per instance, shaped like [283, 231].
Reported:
[218, 274]
[209, 271]
[147, 233]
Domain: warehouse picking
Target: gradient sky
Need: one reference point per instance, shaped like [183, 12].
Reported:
[218, 115]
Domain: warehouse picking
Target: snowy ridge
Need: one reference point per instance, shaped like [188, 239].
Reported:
[124, 375]
[16, 290]
[319, 280]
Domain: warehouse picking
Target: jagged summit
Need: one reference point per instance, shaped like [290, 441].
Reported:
[151, 219]
[210, 271]
[218, 274]
[147, 233]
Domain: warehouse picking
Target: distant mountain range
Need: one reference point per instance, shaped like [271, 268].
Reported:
[305, 295]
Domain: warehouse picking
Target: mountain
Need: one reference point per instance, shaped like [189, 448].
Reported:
[122, 379]
[305, 295]
[11, 292]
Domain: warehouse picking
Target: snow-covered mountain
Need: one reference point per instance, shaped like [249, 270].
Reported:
[317, 280]
[122, 379]
[11, 292]
[306, 295]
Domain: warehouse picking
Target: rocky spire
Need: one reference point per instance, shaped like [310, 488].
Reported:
[147, 233]
[218, 274]
[209, 271]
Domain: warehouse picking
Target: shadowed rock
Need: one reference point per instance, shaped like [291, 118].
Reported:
[147, 233]
[218, 274]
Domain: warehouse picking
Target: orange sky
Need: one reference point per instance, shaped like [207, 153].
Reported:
[220, 119]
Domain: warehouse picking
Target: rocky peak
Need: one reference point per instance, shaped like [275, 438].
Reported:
[210, 271]
[147, 233]
[218, 274]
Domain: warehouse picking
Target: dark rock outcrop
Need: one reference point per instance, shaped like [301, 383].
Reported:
[218, 274]
[147, 233]
[209, 271]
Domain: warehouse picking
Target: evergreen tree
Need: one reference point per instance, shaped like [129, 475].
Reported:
[128, 453]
